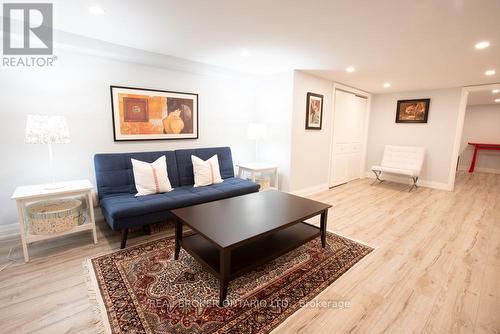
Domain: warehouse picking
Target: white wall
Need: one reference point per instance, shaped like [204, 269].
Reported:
[481, 125]
[437, 135]
[310, 154]
[274, 108]
[78, 88]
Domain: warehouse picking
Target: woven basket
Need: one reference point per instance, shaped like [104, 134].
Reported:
[54, 216]
[263, 182]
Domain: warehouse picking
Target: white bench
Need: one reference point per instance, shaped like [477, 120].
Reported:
[403, 160]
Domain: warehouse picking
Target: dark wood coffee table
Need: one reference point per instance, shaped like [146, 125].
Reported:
[235, 235]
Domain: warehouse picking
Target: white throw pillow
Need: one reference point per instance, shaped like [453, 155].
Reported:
[206, 172]
[151, 178]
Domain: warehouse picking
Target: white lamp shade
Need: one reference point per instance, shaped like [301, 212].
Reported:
[46, 129]
[256, 131]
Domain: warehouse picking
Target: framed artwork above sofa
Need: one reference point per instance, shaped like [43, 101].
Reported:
[151, 114]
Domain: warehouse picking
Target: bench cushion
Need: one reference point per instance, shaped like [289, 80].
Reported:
[125, 210]
[394, 170]
[406, 160]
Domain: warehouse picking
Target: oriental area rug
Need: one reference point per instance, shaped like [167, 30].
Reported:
[142, 289]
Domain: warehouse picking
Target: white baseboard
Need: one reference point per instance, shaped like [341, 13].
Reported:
[310, 190]
[480, 169]
[407, 180]
[389, 177]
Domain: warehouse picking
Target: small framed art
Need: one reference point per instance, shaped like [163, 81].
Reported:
[314, 111]
[412, 111]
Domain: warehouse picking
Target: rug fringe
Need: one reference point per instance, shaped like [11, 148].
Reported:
[101, 322]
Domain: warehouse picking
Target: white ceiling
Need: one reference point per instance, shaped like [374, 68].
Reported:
[422, 44]
[483, 97]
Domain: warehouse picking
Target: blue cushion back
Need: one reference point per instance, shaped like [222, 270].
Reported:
[185, 166]
[114, 173]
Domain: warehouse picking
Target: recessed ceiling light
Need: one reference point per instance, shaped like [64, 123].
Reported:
[387, 85]
[495, 91]
[350, 69]
[482, 45]
[497, 100]
[96, 10]
[490, 72]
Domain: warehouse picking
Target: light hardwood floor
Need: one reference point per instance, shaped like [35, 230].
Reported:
[435, 267]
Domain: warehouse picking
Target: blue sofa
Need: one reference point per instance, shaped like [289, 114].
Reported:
[116, 186]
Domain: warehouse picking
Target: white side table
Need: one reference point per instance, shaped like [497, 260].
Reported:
[256, 167]
[26, 194]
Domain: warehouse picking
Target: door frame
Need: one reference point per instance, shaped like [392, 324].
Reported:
[361, 93]
[460, 128]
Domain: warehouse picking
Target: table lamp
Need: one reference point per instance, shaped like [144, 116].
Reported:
[256, 131]
[47, 129]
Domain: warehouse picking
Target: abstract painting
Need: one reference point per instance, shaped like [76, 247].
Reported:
[150, 114]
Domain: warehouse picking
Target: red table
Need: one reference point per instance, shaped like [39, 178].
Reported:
[481, 146]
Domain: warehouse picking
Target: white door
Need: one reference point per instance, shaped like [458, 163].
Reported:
[348, 137]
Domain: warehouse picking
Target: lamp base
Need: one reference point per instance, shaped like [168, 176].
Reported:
[53, 186]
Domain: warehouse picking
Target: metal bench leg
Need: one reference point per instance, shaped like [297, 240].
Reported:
[414, 185]
[377, 176]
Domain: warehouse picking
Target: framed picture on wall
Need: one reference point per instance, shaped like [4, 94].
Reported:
[412, 111]
[150, 114]
[314, 111]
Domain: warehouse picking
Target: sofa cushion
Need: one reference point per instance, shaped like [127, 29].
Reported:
[120, 208]
[151, 178]
[206, 172]
[114, 173]
[185, 165]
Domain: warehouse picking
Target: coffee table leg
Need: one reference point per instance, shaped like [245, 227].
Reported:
[225, 263]
[178, 238]
[324, 217]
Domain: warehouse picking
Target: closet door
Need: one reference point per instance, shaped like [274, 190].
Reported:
[348, 137]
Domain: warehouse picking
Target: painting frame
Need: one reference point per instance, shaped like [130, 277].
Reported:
[118, 116]
[402, 103]
[310, 98]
